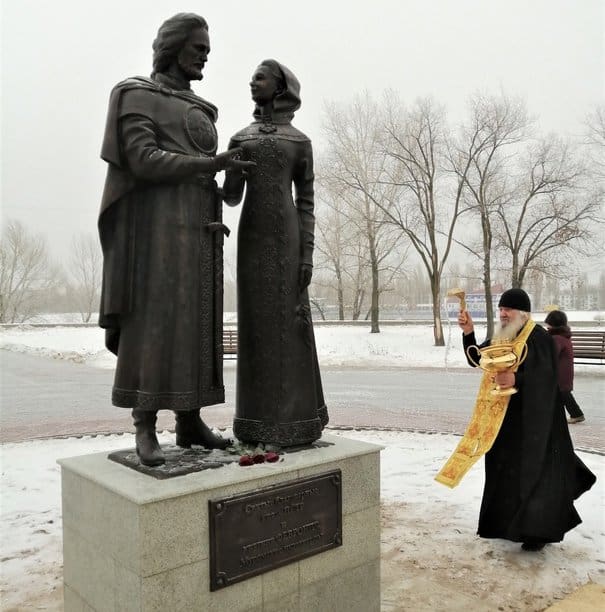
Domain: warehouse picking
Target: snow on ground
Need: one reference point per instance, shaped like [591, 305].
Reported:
[401, 345]
[337, 345]
[432, 559]
[429, 548]
[79, 344]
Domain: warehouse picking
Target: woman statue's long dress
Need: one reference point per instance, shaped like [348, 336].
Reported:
[279, 397]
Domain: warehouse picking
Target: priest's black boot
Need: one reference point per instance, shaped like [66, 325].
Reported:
[533, 545]
[148, 448]
[190, 429]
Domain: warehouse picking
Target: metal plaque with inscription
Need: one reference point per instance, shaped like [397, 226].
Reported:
[252, 533]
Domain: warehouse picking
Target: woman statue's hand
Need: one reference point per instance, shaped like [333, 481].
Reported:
[304, 275]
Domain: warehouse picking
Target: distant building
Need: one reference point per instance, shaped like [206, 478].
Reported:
[571, 301]
[475, 304]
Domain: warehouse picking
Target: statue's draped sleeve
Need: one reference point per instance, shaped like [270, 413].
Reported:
[304, 200]
[138, 96]
[145, 159]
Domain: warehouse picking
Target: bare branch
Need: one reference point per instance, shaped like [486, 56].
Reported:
[355, 167]
[26, 273]
[85, 266]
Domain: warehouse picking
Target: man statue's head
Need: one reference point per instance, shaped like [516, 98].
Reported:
[182, 45]
[514, 309]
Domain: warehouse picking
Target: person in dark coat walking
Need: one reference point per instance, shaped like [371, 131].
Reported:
[556, 324]
[532, 475]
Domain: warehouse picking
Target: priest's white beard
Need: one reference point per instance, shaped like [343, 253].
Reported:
[507, 331]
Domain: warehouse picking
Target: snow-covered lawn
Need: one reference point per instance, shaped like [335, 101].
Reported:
[428, 535]
[430, 550]
[337, 345]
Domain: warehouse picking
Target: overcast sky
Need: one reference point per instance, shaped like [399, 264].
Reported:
[61, 58]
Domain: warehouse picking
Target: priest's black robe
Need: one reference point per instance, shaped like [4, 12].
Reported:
[532, 474]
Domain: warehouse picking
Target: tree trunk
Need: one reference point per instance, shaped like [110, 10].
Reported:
[487, 274]
[319, 308]
[360, 295]
[341, 297]
[437, 325]
[515, 272]
[375, 302]
[375, 308]
[489, 308]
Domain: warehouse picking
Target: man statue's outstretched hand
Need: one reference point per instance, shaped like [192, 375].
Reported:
[231, 160]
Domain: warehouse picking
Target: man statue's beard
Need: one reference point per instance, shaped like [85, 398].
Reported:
[508, 332]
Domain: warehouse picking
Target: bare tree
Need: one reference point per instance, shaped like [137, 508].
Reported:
[415, 142]
[415, 287]
[355, 167]
[318, 306]
[358, 278]
[26, 273]
[342, 260]
[595, 143]
[595, 127]
[550, 216]
[601, 291]
[333, 241]
[480, 159]
[85, 267]
[535, 282]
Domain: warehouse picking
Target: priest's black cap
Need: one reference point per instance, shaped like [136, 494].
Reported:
[515, 298]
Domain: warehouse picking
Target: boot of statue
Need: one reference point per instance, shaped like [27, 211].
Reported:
[148, 448]
[190, 429]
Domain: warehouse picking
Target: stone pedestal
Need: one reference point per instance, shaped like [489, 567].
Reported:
[133, 543]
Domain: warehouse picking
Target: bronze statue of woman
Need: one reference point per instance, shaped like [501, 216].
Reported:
[279, 397]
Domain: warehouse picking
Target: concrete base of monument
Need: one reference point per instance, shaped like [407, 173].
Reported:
[300, 534]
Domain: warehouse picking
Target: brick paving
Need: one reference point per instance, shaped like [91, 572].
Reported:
[586, 436]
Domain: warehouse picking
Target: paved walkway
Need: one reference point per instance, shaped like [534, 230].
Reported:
[44, 398]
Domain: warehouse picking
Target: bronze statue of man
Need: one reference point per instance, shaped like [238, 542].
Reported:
[162, 236]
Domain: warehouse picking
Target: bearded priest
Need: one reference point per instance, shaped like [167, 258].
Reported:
[532, 475]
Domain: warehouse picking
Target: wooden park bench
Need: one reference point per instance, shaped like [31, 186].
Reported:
[230, 343]
[588, 347]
